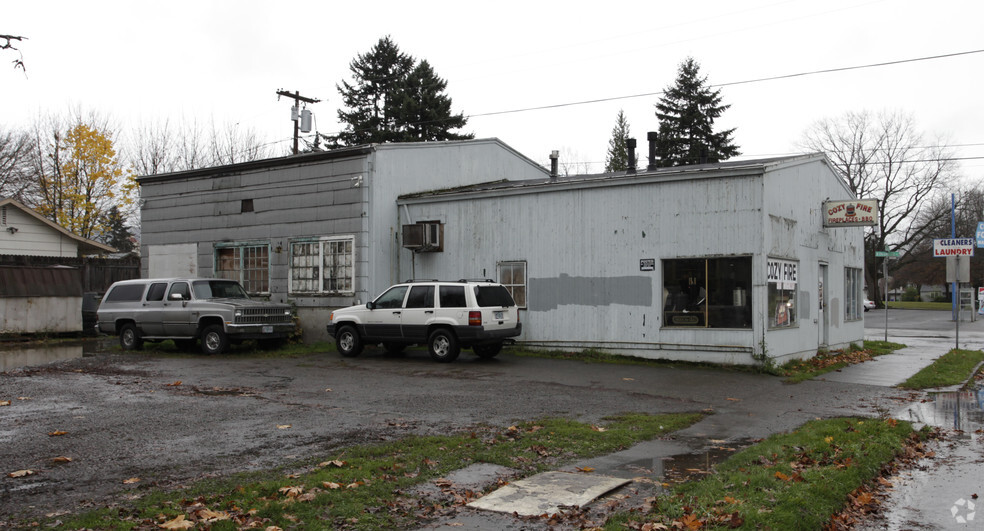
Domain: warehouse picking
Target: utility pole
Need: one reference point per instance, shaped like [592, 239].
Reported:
[296, 96]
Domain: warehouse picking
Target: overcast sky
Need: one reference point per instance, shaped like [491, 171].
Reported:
[223, 62]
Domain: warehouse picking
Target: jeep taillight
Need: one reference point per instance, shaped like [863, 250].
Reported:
[474, 318]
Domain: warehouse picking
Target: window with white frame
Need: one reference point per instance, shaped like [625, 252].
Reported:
[783, 277]
[246, 263]
[512, 275]
[853, 294]
[325, 265]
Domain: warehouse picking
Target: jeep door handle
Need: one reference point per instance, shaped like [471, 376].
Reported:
[397, 313]
[429, 311]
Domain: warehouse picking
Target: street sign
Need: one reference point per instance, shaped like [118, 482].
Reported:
[980, 234]
[953, 247]
[885, 254]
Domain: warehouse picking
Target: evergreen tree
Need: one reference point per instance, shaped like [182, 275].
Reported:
[377, 76]
[394, 99]
[617, 158]
[686, 113]
[423, 111]
[116, 233]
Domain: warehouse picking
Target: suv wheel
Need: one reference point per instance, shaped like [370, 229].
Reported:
[214, 340]
[348, 342]
[487, 351]
[443, 345]
[130, 338]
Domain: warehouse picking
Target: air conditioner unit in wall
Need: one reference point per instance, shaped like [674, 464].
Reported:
[426, 236]
[413, 236]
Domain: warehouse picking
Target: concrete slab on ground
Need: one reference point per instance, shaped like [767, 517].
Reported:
[545, 493]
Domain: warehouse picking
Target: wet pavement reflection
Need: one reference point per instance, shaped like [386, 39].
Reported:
[41, 354]
[961, 410]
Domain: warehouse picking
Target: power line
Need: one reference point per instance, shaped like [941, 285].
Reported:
[727, 84]
[732, 83]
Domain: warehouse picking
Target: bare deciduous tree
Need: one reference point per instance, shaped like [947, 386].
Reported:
[884, 157]
[15, 159]
[8, 45]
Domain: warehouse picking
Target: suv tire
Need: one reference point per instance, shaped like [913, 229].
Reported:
[130, 337]
[214, 340]
[443, 345]
[487, 352]
[348, 342]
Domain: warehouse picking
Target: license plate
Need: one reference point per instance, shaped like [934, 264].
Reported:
[498, 315]
[267, 330]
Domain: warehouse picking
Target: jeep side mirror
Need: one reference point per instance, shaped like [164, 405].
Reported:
[176, 297]
[371, 305]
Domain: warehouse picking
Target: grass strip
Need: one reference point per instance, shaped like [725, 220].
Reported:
[797, 480]
[364, 487]
[952, 368]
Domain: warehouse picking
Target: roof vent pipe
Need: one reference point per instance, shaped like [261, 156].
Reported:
[652, 136]
[631, 144]
[554, 155]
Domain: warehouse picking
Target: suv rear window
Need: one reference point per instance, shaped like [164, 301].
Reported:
[488, 296]
[126, 293]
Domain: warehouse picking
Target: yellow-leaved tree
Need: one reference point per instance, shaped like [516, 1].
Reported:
[83, 180]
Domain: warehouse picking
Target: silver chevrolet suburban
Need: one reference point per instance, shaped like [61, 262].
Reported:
[187, 309]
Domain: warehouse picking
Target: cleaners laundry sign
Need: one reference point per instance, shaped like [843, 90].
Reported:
[855, 213]
[953, 247]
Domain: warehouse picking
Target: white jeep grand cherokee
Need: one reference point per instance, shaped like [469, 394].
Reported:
[445, 316]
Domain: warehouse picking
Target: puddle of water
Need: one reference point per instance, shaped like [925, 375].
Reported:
[681, 468]
[29, 357]
[960, 410]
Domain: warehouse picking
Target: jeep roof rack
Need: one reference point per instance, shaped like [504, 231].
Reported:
[412, 280]
[476, 280]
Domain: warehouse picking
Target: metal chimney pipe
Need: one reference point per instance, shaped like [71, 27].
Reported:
[630, 143]
[651, 137]
[554, 155]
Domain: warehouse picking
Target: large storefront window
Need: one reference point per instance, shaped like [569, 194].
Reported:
[782, 277]
[853, 294]
[708, 293]
[248, 264]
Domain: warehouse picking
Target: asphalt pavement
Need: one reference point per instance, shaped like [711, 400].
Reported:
[172, 420]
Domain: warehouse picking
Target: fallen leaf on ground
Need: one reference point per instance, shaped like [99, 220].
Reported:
[283, 426]
[209, 514]
[131, 481]
[598, 428]
[175, 384]
[23, 398]
[56, 433]
[585, 469]
[334, 462]
[330, 485]
[177, 523]
[21, 473]
[734, 399]
[4, 402]
[61, 459]
[291, 492]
